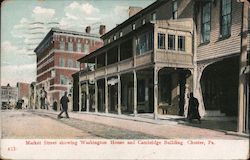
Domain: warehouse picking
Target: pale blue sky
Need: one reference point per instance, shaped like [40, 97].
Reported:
[18, 39]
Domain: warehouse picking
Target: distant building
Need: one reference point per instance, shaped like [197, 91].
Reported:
[23, 92]
[9, 95]
[57, 56]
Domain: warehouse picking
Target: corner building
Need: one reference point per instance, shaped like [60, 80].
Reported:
[153, 60]
[57, 56]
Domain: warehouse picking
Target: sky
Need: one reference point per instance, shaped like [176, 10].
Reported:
[25, 23]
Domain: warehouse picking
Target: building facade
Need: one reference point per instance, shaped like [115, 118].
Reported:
[57, 56]
[154, 59]
[9, 96]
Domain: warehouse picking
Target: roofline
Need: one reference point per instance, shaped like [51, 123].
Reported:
[143, 11]
[57, 30]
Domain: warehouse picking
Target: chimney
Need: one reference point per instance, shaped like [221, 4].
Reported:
[133, 10]
[102, 29]
[88, 29]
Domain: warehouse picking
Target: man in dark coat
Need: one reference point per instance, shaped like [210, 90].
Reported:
[64, 102]
[193, 105]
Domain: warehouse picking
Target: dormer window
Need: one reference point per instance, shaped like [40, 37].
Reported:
[143, 21]
[133, 26]
[121, 34]
[114, 37]
[175, 9]
[153, 16]
[108, 40]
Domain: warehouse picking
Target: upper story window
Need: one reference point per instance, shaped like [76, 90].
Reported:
[181, 43]
[206, 23]
[70, 63]
[70, 46]
[79, 47]
[153, 16]
[133, 26]
[62, 46]
[161, 41]
[114, 37]
[86, 49]
[121, 34]
[226, 17]
[175, 9]
[61, 62]
[63, 79]
[145, 43]
[171, 42]
[77, 64]
[108, 40]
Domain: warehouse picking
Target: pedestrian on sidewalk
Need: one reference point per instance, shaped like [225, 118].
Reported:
[64, 103]
[193, 108]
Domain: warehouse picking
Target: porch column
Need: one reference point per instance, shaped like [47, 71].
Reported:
[156, 70]
[119, 94]
[80, 97]
[242, 109]
[87, 95]
[135, 93]
[106, 95]
[96, 97]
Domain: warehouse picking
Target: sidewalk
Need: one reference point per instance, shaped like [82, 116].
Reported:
[166, 126]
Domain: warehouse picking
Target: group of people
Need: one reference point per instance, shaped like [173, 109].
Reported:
[193, 107]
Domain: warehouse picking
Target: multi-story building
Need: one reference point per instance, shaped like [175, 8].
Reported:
[57, 56]
[9, 96]
[150, 62]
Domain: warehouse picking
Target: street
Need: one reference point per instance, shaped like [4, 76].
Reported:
[44, 124]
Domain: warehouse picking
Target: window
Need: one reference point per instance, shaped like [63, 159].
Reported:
[77, 64]
[143, 21]
[153, 16]
[181, 43]
[161, 41]
[171, 42]
[63, 79]
[79, 47]
[144, 43]
[175, 9]
[120, 34]
[61, 62]
[133, 26]
[70, 46]
[225, 24]
[114, 37]
[86, 48]
[70, 63]
[62, 46]
[206, 22]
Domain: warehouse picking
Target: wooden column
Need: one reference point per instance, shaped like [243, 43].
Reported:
[96, 97]
[80, 97]
[106, 95]
[119, 94]
[156, 70]
[135, 93]
[242, 109]
[87, 95]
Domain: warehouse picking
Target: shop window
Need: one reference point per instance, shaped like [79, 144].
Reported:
[141, 91]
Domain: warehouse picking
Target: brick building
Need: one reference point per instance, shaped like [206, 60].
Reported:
[57, 56]
[150, 62]
[23, 92]
[9, 96]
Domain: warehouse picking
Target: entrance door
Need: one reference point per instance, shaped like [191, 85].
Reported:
[113, 98]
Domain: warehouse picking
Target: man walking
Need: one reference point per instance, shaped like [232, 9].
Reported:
[64, 102]
[193, 105]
